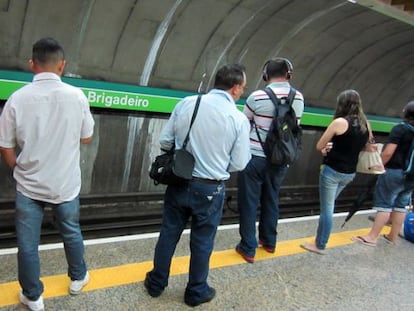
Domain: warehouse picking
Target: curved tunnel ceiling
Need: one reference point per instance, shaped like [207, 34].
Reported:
[179, 44]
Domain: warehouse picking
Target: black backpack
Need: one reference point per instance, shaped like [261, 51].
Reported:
[283, 143]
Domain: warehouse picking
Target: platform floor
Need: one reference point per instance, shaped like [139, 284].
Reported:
[349, 276]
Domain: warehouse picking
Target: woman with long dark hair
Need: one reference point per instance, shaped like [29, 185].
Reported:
[340, 145]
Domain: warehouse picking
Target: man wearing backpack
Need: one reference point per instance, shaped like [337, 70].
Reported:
[259, 183]
[393, 188]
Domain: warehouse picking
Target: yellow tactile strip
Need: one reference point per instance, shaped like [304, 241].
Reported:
[57, 285]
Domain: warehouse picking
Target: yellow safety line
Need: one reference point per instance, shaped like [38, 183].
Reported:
[57, 285]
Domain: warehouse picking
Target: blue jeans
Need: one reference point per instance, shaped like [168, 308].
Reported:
[259, 185]
[204, 204]
[331, 184]
[29, 216]
[393, 191]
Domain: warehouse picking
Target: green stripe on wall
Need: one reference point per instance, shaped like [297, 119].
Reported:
[107, 95]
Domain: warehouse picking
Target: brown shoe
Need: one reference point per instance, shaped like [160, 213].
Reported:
[267, 248]
[249, 259]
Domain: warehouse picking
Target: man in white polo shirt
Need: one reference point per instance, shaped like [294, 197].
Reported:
[47, 120]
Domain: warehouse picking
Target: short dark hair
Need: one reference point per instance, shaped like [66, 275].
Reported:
[47, 50]
[408, 111]
[276, 68]
[229, 76]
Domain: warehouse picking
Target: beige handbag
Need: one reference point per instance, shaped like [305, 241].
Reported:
[369, 160]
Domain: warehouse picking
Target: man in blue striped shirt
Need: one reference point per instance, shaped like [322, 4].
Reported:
[219, 142]
[260, 182]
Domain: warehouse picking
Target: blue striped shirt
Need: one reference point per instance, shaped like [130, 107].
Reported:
[260, 108]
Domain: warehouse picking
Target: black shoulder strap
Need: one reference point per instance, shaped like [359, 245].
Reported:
[187, 137]
[276, 101]
[408, 126]
[291, 96]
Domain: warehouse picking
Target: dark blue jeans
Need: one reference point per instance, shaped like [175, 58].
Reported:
[393, 191]
[204, 204]
[258, 185]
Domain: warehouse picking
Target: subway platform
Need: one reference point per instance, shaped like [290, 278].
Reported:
[350, 276]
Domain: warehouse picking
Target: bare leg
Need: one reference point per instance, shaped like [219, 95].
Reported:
[311, 247]
[397, 221]
[380, 221]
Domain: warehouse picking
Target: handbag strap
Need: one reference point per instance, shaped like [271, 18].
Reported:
[187, 137]
[371, 138]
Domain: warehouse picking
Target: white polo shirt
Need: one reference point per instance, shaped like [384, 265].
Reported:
[46, 119]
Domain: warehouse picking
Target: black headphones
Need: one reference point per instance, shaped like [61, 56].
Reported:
[287, 63]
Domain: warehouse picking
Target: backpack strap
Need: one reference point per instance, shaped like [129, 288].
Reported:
[408, 126]
[258, 135]
[409, 159]
[276, 101]
[291, 96]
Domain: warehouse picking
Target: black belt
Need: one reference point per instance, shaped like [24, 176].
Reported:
[207, 181]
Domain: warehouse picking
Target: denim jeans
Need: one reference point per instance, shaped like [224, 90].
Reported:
[29, 215]
[259, 185]
[331, 184]
[393, 191]
[204, 204]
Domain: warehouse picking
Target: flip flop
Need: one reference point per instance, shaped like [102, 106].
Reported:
[312, 248]
[362, 240]
[388, 240]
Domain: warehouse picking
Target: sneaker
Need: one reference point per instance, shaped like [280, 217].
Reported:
[77, 285]
[193, 303]
[34, 305]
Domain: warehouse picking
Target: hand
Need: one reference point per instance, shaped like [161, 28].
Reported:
[327, 148]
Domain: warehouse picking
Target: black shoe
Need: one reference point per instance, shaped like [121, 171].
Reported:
[192, 303]
[150, 291]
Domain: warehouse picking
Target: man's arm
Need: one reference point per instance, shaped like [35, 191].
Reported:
[86, 140]
[299, 106]
[167, 136]
[9, 156]
[248, 110]
[387, 152]
[240, 154]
